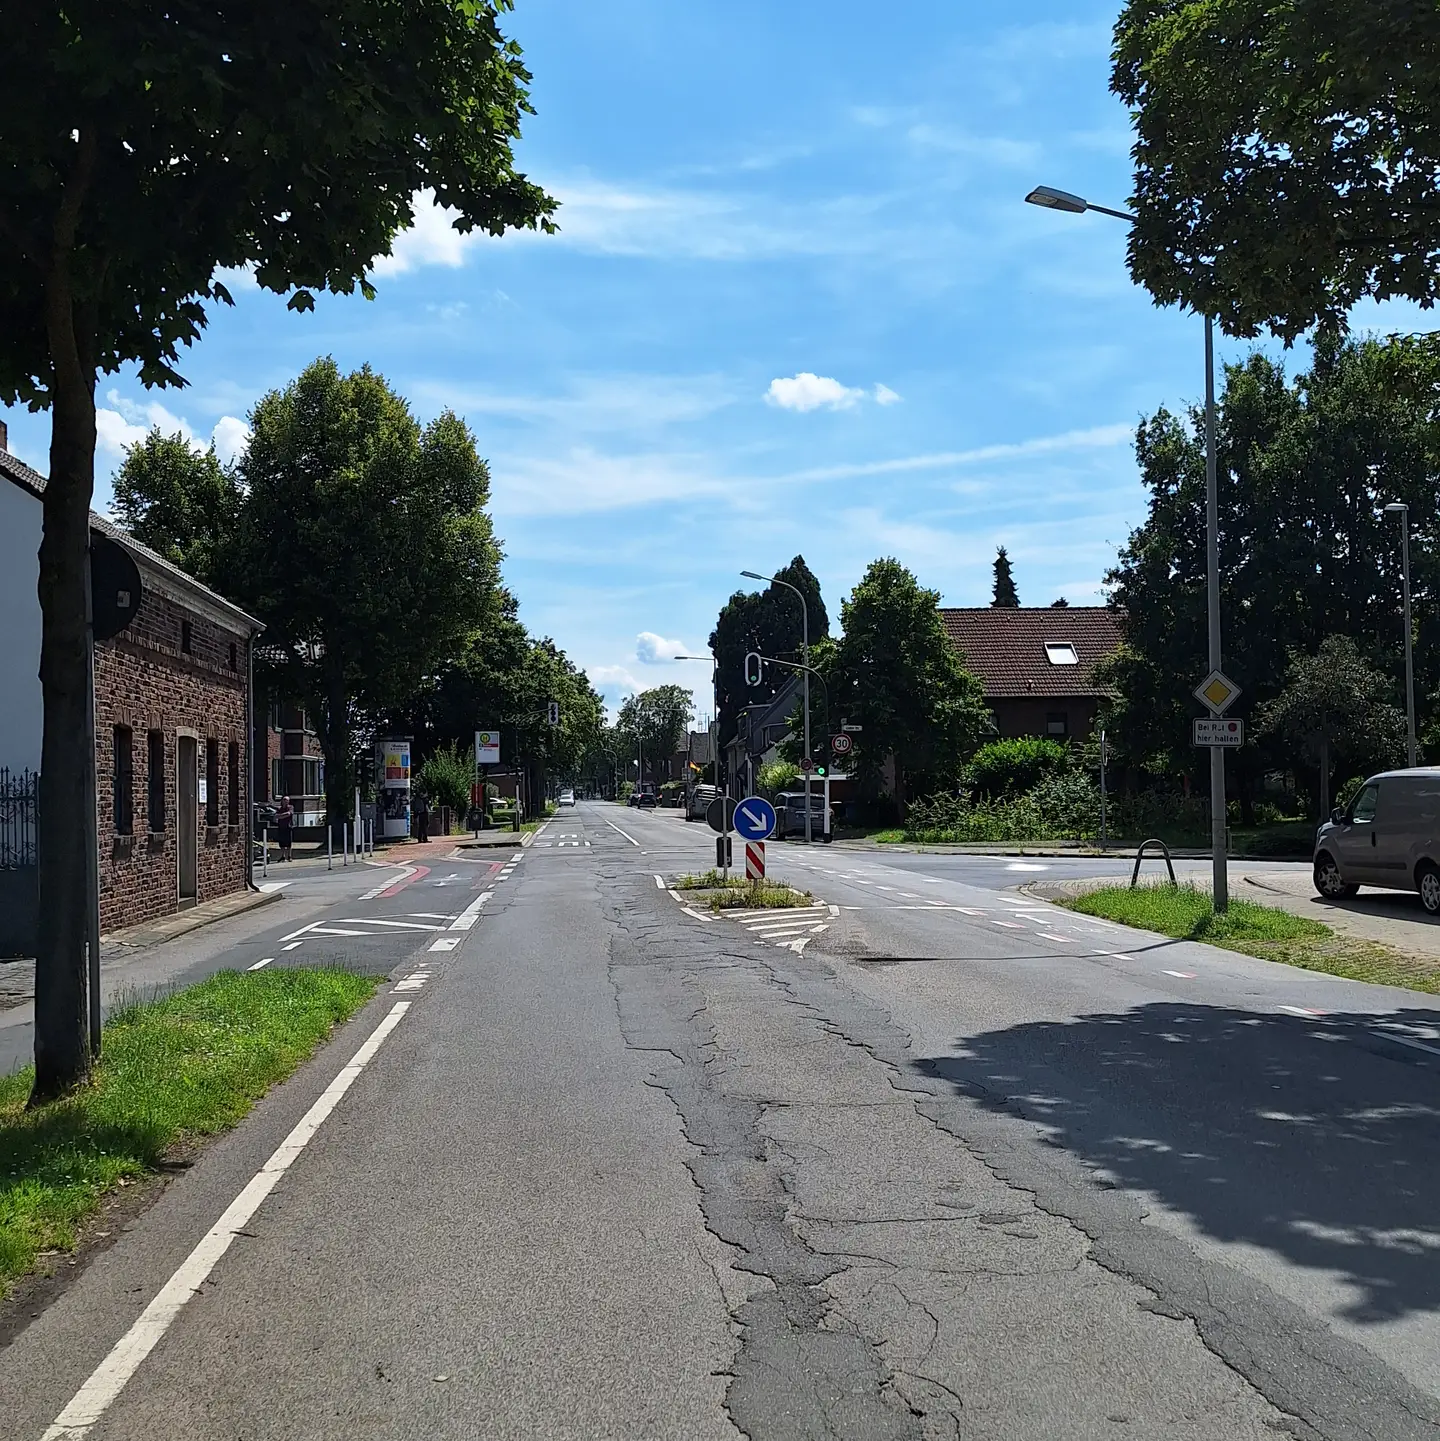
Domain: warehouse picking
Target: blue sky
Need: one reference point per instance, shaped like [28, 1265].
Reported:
[796, 305]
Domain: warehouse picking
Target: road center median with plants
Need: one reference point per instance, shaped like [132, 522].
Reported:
[1188, 914]
[735, 893]
[187, 1066]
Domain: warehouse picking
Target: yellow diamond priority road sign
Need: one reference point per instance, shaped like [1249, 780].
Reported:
[1218, 692]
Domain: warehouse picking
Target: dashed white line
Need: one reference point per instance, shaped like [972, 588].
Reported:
[660, 883]
[1182, 975]
[467, 918]
[260, 965]
[105, 1383]
[1305, 1011]
[446, 943]
[626, 834]
[294, 944]
[301, 931]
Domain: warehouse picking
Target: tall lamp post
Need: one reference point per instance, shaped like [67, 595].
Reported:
[805, 658]
[1398, 507]
[1063, 200]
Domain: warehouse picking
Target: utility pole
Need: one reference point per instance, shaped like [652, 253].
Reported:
[1219, 873]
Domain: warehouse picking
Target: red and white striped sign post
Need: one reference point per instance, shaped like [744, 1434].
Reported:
[754, 860]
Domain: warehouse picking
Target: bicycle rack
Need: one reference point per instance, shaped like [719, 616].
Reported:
[1140, 856]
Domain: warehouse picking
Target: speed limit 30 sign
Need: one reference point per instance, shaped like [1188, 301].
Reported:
[841, 744]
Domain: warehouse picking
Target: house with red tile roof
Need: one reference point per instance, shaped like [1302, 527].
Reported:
[1037, 663]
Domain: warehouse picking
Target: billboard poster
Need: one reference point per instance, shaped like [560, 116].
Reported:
[487, 748]
[392, 786]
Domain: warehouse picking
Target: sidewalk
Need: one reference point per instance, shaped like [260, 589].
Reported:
[1395, 918]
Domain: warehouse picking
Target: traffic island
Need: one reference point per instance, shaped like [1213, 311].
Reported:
[734, 893]
[173, 1072]
[1186, 913]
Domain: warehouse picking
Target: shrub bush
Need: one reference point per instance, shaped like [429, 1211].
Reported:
[1013, 767]
[446, 777]
[779, 776]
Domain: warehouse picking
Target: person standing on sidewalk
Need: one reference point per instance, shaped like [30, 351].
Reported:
[422, 818]
[285, 827]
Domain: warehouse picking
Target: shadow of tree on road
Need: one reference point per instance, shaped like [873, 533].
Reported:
[1318, 1140]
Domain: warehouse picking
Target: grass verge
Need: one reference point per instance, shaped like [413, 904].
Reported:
[735, 893]
[1186, 914]
[189, 1065]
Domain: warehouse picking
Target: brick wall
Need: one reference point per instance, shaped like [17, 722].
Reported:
[147, 680]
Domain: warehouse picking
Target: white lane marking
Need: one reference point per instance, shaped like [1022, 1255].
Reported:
[293, 945]
[1182, 975]
[412, 982]
[302, 930]
[1406, 1041]
[108, 1379]
[1055, 936]
[770, 932]
[1011, 925]
[398, 925]
[1025, 866]
[260, 965]
[335, 931]
[446, 943]
[401, 873]
[266, 887]
[431, 915]
[467, 918]
[834, 910]
[1305, 1011]
[909, 895]
[931, 881]
[1121, 956]
[690, 911]
[660, 882]
[764, 928]
[626, 834]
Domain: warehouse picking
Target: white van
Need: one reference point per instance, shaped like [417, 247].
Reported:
[1388, 837]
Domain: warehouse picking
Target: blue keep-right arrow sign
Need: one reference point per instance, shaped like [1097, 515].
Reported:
[754, 819]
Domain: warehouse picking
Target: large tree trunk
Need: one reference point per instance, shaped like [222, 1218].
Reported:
[1324, 778]
[62, 1050]
[335, 742]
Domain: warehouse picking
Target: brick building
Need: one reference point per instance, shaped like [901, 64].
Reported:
[172, 701]
[1037, 663]
[289, 760]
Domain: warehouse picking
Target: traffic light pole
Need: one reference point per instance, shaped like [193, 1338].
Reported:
[805, 668]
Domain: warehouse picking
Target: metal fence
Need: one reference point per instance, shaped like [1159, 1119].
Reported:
[18, 794]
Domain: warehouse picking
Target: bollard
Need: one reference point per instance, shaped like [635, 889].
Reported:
[329, 847]
[265, 851]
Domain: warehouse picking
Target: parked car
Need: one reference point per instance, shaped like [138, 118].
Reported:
[699, 801]
[1389, 836]
[567, 798]
[790, 814]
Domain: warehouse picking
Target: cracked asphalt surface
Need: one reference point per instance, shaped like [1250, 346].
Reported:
[946, 1163]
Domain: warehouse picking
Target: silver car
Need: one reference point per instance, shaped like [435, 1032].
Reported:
[1389, 836]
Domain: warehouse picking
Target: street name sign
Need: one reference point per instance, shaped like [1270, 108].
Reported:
[1218, 732]
[754, 819]
[1218, 692]
[846, 727]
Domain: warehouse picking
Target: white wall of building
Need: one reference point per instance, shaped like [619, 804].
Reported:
[21, 712]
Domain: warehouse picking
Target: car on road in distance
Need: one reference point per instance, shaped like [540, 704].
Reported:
[566, 798]
[790, 814]
[646, 800]
[698, 801]
[1388, 836]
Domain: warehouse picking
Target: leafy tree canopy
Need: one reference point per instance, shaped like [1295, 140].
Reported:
[895, 671]
[180, 502]
[657, 720]
[1005, 595]
[1287, 157]
[1306, 550]
[768, 621]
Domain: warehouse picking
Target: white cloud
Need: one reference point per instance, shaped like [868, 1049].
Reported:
[885, 396]
[808, 391]
[612, 681]
[125, 423]
[431, 240]
[230, 437]
[652, 649]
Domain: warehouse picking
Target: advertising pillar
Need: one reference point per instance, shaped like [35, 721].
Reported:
[392, 785]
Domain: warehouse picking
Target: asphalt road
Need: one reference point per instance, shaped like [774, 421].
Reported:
[928, 1159]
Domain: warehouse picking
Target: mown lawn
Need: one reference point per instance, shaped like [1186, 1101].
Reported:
[1186, 914]
[189, 1065]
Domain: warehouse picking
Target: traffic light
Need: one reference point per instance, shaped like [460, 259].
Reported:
[821, 768]
[553, 713]
[753, 668]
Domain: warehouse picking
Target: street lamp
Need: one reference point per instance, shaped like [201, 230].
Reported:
[1051, 199]
[805, 658]
[1398, 507]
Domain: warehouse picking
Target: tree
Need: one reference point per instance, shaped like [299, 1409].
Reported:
[179, 501]
[1339, 707]
[1306, 551]
[654, 722]
[363, 545]
[1006, 596]
[144, 152]
[895, 672]
[768, 621]
[1060, 604]
[1287, 156]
